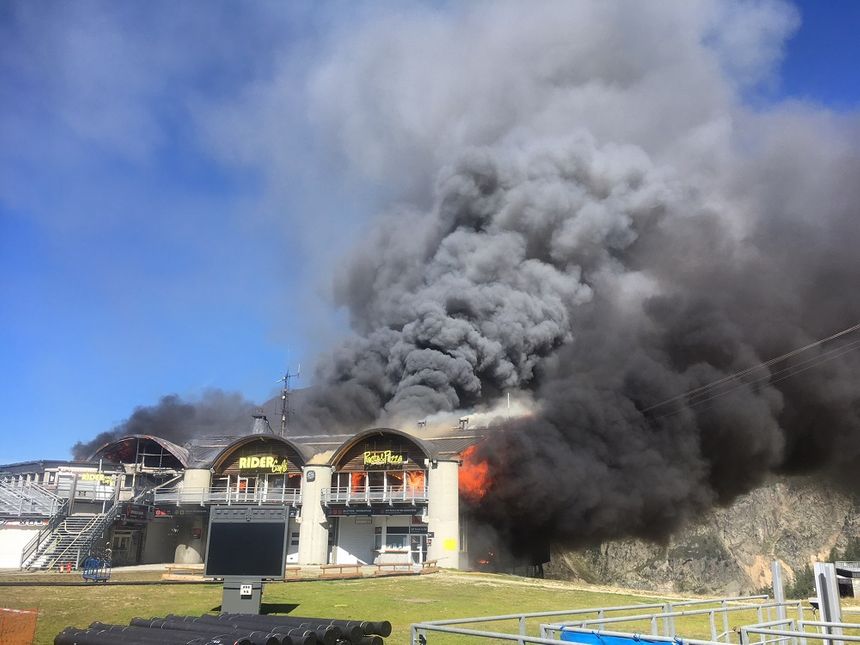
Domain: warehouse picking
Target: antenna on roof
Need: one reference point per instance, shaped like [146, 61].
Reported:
[286, 410]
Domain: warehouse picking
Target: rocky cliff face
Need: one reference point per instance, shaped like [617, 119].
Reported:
[729, 551]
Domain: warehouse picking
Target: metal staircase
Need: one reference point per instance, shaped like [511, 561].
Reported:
[69, 541]
[27, 499]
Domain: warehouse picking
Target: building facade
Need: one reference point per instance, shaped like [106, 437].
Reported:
[379, 496]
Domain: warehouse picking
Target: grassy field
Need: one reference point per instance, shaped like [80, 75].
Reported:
[402, 600]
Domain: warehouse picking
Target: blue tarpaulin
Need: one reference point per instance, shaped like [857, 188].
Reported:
[600, 639]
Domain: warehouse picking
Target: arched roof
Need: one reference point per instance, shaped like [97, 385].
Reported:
[120, 446]
[243, 441]
[425, 447]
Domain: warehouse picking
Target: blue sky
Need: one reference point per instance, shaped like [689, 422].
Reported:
[153, 242]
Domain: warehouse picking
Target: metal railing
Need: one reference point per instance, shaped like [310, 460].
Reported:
[31, 550]
[85, 491]
[27, 498]
[590, 625]
[224, 495]
[374, 494]
[796, 633]
[97, 531]
[665, 621]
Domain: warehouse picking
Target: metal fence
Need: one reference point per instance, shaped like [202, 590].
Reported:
[713, 621]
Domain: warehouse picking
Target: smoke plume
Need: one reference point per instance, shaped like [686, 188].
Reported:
[599, 203]
[609, 226]
[172, 418]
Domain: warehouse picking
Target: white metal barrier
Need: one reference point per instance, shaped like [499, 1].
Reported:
[224, 495]
[657, 626]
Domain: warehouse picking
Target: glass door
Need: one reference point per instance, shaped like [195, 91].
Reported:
[418, 548]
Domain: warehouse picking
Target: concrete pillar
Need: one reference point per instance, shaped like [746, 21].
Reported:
[191, 538]
[191, 549]
[443, 511]
[313, 524]
[194, 481]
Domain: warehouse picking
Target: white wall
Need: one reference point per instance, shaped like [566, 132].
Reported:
[354, 541]
[12, 541]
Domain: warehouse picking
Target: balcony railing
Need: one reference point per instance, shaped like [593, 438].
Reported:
[224, 495]
[374, 495]
[85, 491]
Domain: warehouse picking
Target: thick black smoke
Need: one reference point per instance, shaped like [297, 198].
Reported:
[609, 227]
[598, 217]
[172, 418]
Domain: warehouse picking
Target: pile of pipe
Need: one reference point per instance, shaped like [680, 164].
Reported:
[230, 629]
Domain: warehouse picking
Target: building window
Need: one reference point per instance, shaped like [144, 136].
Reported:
[121, 542]
[397, 537]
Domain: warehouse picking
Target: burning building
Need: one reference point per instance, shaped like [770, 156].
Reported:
[377, 496]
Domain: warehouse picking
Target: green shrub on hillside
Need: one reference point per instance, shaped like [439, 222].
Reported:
[803, 585]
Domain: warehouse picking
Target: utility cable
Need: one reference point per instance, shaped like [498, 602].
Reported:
[731, 377]
[783, 374]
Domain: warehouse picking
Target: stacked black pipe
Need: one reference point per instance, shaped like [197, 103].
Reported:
[230, 629]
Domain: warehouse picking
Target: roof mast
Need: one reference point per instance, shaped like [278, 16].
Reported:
[286, 410]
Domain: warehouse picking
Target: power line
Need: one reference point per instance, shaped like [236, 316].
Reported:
[704, 389]
[783, 374]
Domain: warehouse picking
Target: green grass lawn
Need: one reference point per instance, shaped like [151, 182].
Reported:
[401, 600]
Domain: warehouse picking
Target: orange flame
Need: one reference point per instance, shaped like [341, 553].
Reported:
[357, 481]
[415, 479]
[474, 477]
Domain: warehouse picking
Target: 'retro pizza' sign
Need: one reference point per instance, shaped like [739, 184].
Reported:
[383, 460]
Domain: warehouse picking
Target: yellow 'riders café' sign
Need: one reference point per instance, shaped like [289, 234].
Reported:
[267, 463]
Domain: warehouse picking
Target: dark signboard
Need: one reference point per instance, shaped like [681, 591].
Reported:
[247, 541]
[135, 512]
[350, 511]
[376, 509]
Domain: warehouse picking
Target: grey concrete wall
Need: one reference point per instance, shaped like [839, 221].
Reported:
[190, 550]
[159, 543]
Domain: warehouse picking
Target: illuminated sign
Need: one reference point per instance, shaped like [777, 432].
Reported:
[269, 463]
[382, 459]
[107, 480]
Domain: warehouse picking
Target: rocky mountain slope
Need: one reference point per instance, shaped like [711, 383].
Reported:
[729, 551]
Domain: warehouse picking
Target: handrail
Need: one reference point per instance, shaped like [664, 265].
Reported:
[75, 540]
[98, 530]
[368, 494]
[33, 545]
[225, 495]
[27, 498]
